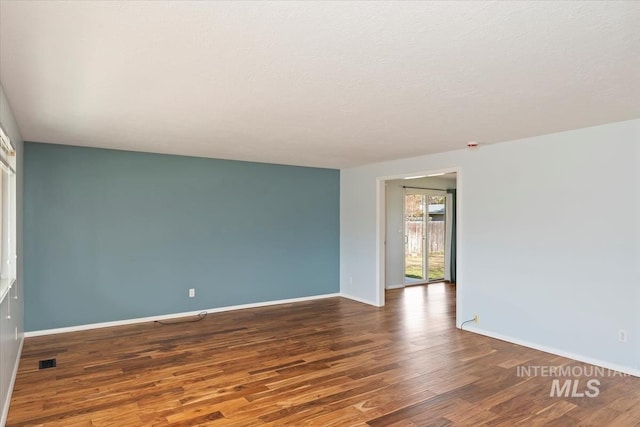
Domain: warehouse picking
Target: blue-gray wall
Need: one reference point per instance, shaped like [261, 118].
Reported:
[112, 235]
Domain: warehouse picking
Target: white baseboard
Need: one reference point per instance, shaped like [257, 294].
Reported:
[7, 402]
[173, 315]
[596, 362]
[358, 299]
[395, 286]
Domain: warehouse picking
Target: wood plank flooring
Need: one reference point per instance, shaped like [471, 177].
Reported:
[331, 362]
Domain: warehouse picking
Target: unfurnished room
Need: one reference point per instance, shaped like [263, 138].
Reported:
[319, 213]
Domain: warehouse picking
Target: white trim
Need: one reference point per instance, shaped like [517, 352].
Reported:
[5, 287]
[401, 285]
[173, 315]
[448, 229]
[16, 365]
[580, 358]
[358, 299]
[459, 283]
[381, 237]
[5, 142]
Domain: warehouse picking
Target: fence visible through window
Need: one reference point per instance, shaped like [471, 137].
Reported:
[424, 237]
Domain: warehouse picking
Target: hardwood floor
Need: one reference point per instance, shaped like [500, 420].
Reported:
[325, 362]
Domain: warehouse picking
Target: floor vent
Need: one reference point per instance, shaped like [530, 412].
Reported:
[48, 363]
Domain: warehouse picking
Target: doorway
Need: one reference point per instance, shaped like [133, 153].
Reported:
[391, 233]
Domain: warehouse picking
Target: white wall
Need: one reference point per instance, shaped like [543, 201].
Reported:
[548, 238]
[13, 303]
[394, 247]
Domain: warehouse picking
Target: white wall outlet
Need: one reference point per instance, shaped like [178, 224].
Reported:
[622, 335]
[192, 293]
[476, 318]
[16, 333]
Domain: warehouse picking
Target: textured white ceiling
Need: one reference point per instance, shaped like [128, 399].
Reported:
[331, 84]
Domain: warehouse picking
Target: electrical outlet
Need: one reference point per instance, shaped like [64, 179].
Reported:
[476, 318]
[16, 333]
[192, 293]
[622, 335]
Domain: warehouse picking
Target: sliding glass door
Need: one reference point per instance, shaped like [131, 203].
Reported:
[415, 260]
[424, 235]
[435, 236]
